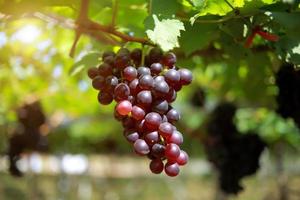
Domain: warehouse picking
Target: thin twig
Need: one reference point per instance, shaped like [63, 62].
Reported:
[114, 12]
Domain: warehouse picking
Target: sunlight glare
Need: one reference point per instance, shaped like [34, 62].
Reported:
[27, 34]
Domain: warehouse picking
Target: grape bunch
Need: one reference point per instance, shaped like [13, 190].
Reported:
[144, 95]
[28, 135]
[233, 154]
[288, 99]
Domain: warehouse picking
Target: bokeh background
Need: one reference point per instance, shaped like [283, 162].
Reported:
[88, 157]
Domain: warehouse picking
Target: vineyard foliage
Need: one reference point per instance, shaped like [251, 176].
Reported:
[208, 37]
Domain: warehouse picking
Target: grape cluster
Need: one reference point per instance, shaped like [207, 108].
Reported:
[144, 95]
[288, 99]
[28, 135]
[233, 154]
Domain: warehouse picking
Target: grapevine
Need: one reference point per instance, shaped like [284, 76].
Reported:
[144, 96]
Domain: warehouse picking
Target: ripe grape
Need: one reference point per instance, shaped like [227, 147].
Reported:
[172, 77]
[121, 92]
[158, 150]
[156, 68]
[105, 98]
[152, 120]
[131, 136]
[165, 129]
[186, 76]
[92, 72]
[173, 115]
[141, 147]
[137, 112]
[152, 138]
[172, 169]
[183, 158]
[105, 70]
[176, 138]
[98, 82]
[156, 166]
[130, 73]
[144, 97]
[169, 59]
[172, 151]
[146, 82]
[124, 107]
[143, 71]
[160, 106]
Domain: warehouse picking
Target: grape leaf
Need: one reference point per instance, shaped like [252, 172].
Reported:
[89, 60]
[166, 33]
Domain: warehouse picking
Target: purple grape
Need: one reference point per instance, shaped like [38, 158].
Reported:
[144, 97]
[165, 129]
[156, 68]
[105, 69]
[137, 112]
[141, 147]
[129, 73]
[183, 158]
[171, 96]
[133, 85]
[161, 88]
[146, 82]
[143, 71]
[98, 83]
[131, 136]
[111, 82]
[176, 138]
[160, 106]
[172, 169]
[92, 72]
[156, 166]
[121, 92]
[186, 76]
[173, 115]
[158, 150]
[172, 151]
[152, 120]
[169, 59]
[105, 98]
[151, 138]
[172, 77]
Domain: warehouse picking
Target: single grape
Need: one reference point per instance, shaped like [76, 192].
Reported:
[151, 138]
[171, 95]
[172, 151]
[107, 54]
[136, 56]
[131, 136]
[152, 120]
[111, 82]
[158, 150]
[144, 97]
[169, 59]
[137, 112]
[140, 126]
[128, 122]
[129, 73]
[105, 69]
[160, 106]
[121, 92]
[183, 158]
[176, 138]
[121, 61]
[143, 71]
[134, 86]
[118, 116]
[155, 55]
[161, 88]
[141, 147]
[92, 72]
[186, 76]
[109, 60]
[159, 78]
[156, 68]
[172, 169]
[172, 77]
[173, 115]
[156, 166]
[98, 82]
[146, 82]
[123, 51]
[165, 129]
[105, 98]
[124, 107]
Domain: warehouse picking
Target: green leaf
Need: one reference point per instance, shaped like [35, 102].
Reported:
[165, 8]
[88, 60]
[166, 33]
[198, 36]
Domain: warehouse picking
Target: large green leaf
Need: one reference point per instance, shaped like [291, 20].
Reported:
[166, 33]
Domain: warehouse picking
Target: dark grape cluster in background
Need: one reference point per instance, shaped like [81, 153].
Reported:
[233, 154]
[144, 95]
[28, 135]
[288, 99]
